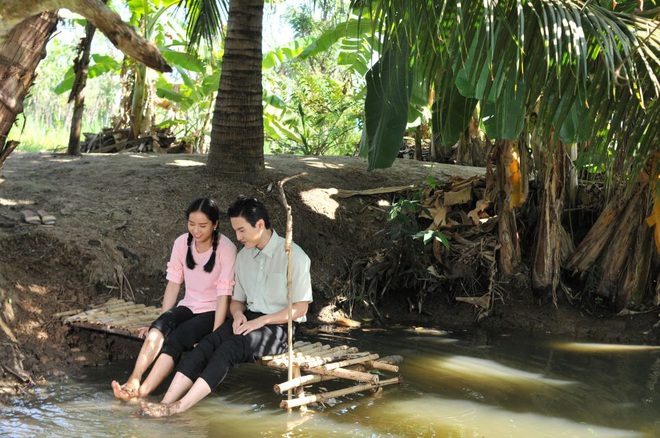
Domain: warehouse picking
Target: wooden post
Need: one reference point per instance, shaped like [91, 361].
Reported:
[287, 245]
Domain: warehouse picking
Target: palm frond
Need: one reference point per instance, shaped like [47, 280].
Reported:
[205, 19]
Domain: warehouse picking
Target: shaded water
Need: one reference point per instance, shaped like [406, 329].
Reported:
[455, 385]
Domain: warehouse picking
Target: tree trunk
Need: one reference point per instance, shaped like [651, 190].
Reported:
[105, 19]
[549, 232]
[619, 251]
[237, 135]
[20, 55]
[508, 196]
[81, 68]
[418, 143]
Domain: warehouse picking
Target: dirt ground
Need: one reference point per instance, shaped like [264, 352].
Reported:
[117, 216]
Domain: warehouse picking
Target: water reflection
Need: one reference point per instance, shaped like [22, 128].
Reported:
[455, 385]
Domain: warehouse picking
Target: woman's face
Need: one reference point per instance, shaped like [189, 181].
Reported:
[200, 226]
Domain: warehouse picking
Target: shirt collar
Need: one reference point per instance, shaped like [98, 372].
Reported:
[271, 246]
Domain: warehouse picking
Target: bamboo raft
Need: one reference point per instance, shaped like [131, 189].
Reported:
[316, 362]
[311, 362]
[116, 316]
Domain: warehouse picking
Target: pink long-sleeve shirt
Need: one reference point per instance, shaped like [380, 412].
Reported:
[202, 288]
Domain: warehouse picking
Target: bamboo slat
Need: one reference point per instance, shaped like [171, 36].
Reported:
[115, 316]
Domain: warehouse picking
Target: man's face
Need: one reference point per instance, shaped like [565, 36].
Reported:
[248, 235]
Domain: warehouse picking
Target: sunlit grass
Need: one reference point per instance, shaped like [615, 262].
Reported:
[39, 137]
[34, 138]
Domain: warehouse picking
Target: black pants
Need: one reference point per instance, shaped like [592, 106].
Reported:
[220, 351]
[182, 329]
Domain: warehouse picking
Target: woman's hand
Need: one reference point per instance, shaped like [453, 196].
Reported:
[239, 320]
[142, 332]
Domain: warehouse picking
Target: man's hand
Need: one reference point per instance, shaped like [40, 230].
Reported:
[247, 326]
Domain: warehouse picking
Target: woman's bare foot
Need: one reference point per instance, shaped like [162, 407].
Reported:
[124, 392]
[160, 409]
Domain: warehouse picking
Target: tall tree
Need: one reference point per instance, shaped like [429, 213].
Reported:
[77, 95]
[20, 54]
[237, 135]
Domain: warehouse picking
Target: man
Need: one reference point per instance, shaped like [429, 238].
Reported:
[259, 312]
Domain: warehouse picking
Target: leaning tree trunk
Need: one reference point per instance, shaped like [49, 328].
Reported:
[20, 55]
[621, 245]
[77, 96]
[237, 135]
[105, 19]
[509, 194]
[630, 245]
[549, 231]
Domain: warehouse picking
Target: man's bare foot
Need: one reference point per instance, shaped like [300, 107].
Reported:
[159, 409]
[124, 392]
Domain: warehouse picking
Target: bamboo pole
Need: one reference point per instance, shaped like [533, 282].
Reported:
[342, 373]
[288, 404]
[287, 246]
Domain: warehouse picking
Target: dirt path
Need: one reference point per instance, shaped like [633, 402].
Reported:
[117, 216]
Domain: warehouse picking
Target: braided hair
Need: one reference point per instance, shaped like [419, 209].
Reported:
[212, 212]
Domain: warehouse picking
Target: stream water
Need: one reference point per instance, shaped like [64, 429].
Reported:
[455, 385]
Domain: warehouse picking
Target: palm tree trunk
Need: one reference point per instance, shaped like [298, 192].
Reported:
[508, 196]
[20, 55]
[237, 135]
[619, 252]
[549, 231]
[81, 68]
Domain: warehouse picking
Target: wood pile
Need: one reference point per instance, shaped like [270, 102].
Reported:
[111, 141]
[315, 362]
[115, 316]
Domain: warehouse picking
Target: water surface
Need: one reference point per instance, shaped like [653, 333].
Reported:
[455, 385]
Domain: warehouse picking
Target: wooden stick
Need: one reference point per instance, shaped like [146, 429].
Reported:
[342, 373]
[289, 272]
[288, 404]
[344, 363]
[279, 388]
[382, 366]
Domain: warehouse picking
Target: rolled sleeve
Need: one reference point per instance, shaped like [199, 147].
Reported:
[224, 285]
[177, 260]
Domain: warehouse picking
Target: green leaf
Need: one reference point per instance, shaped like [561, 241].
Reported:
[451, 113]
[183, 60]
[505, 118]
[67, 82]
[577, 126]
[284, 53]
[386, 107]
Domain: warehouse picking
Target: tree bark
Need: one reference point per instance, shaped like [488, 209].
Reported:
[81, 69]
[237, 135]
[549, 233]
[105, 19]
[20, 54]
[508, 196]
[620, 249]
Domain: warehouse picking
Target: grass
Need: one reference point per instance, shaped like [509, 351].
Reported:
[40, 138]
[36, 137]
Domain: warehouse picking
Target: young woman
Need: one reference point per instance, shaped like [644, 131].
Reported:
[203, 260]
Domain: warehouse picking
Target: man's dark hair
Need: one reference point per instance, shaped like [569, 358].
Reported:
[249, 209]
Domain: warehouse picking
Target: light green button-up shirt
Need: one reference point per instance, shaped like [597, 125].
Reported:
[261, 277]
